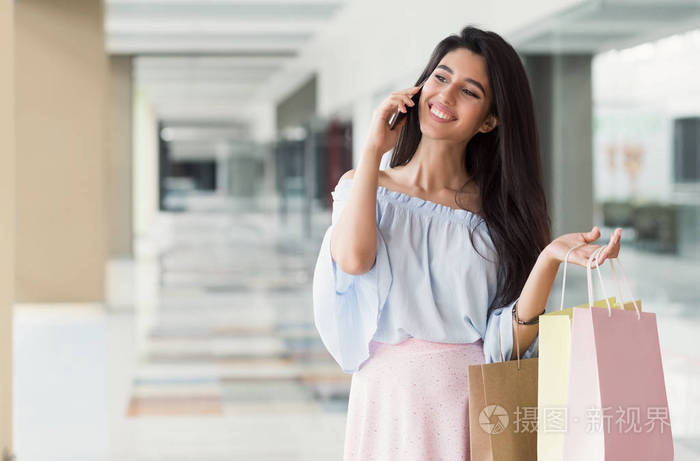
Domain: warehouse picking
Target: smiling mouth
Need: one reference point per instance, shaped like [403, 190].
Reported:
[440, 114]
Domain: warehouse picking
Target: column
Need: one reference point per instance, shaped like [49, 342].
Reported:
[7, 219]
[60, 92]
[119, 158]
[564, 109]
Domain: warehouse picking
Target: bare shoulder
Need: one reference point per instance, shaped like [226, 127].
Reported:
[348, 174]
[385, 177]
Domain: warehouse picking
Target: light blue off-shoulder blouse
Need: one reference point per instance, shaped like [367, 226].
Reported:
[427, 282]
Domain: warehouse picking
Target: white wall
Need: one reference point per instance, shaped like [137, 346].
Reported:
[637, 93]
[265, 126]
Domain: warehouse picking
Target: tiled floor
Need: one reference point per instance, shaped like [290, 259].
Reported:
[208, 351]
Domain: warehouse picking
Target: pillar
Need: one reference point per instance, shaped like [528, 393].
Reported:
[119, 158]
[564, 108]
[7, 217]
[60, 70]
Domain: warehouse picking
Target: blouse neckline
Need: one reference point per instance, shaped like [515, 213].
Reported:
[417, 202]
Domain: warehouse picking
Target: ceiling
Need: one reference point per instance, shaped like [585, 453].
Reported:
[601, 25]
[251, 28]
[210, 59]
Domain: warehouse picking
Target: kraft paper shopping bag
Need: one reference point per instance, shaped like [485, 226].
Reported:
[503, 410]
[479, 440]
[617, 408]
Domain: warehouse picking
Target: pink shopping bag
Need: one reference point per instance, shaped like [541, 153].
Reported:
[617, 408]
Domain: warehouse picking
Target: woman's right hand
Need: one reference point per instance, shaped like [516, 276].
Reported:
[381, 138]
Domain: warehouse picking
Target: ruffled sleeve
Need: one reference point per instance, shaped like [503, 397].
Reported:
[499, 336]
[346, 306]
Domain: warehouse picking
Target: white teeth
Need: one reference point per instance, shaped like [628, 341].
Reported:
[443, 116]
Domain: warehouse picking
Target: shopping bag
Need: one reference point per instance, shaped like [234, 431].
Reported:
[503, 410]
[553, 372]
[617, 407]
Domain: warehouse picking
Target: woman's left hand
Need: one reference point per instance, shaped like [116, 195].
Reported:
[558, 248]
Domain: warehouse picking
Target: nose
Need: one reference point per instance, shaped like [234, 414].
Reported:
[448, 93]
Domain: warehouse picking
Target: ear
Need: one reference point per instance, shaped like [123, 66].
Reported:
[489, 124]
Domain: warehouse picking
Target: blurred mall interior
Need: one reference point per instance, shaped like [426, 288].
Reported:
[165, 184]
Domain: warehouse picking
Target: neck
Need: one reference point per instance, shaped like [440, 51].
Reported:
[437, 165]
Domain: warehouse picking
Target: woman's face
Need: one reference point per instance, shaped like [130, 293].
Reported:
[459, 89]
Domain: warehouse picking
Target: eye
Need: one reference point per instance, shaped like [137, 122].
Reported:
[467, 92]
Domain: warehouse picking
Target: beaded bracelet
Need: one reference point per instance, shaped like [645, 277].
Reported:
[530, 322]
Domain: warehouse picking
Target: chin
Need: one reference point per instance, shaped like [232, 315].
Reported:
[434, 132]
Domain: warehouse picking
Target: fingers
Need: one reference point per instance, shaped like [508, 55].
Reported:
[397, 101]
[402, 105]
[391, 104]
[615, 237]
[581, 255]
[408, 91]
[612, 249]
[405, 95]
[591, 236]
[401, 101]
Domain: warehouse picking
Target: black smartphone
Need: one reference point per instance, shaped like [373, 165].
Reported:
[398, 115]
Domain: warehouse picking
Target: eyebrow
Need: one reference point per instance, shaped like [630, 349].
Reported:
[470, 80]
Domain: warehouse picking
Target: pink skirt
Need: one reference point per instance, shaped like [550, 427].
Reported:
[409, 402]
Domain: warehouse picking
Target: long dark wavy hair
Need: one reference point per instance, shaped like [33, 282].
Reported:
[504, 163]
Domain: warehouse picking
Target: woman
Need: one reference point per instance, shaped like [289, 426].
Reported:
[409, 289]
